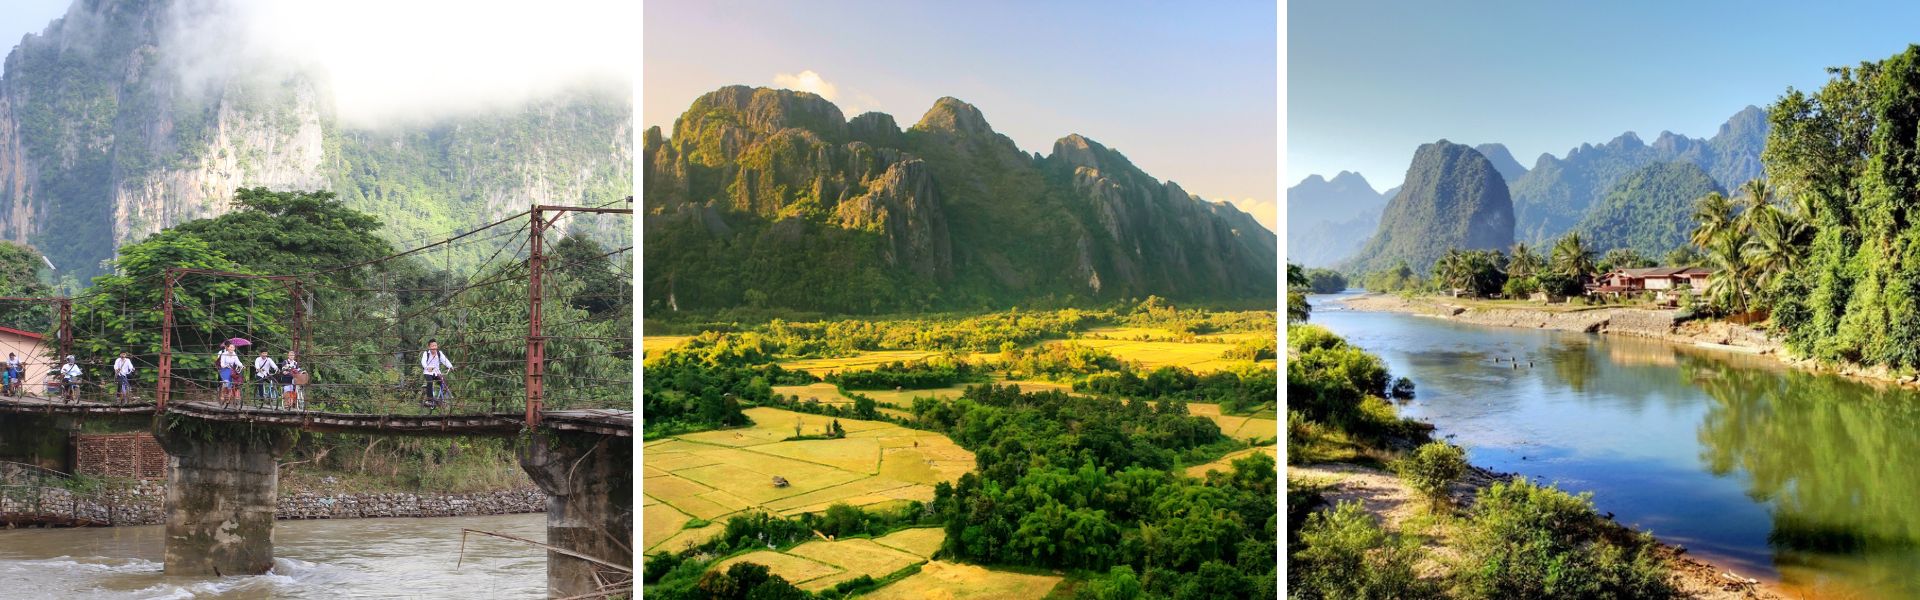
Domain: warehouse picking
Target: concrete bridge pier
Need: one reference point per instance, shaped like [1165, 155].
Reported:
[588, 479]
[223, 481]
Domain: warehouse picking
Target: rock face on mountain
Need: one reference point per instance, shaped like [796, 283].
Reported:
[103, 141]
[1453, 198]
[1549, 199]
[1327, 220]
[1650, 210]
[766, 197]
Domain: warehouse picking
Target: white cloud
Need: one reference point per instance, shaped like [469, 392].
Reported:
[852, 103]
[807, 81]
[388, 60]
[1266, 212]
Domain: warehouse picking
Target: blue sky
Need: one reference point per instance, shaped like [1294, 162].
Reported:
[21, 17]
[1187, 91]
[1370, 80]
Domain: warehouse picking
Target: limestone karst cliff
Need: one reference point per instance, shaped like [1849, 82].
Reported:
[772, 197]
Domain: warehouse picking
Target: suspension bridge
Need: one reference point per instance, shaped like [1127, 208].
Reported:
[538, 332]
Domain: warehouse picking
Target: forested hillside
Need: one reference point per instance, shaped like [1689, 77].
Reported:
[772, 198]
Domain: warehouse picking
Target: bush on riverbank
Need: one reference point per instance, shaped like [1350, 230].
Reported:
[1343, 553]
[1523, 540]
[1431, 469]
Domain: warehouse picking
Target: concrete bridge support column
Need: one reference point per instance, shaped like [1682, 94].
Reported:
[588, 479]
[223, 481]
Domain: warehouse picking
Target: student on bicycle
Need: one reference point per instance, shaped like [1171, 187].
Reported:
[263, 371]
[434, 364]
[228, 361]
[71, 372]
[123, 371]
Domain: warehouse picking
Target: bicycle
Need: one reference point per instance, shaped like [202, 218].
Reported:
[433, 397]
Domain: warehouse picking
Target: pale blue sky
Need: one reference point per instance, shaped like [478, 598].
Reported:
[1369, 80]
[1185, 90]
[21, 17]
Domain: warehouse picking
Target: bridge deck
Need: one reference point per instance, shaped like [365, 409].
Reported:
[599, 421]
[38, 405]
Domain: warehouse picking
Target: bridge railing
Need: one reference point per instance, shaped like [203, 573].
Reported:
[544, 323]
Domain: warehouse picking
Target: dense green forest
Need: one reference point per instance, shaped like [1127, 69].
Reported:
[1650, 211]
[1846, 278]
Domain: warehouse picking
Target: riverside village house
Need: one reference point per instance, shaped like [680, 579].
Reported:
[1667, 283]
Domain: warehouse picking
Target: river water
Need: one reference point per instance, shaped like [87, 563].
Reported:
[1809, 480]
[345, 558]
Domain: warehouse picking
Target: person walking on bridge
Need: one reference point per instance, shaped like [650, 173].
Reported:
[11, 376]
[123, 371]
[228, 362]
[434, 364]
[264, 370]
[71, 373]
[290, 380]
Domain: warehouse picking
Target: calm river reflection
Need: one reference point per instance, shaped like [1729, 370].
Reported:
[1813, 480]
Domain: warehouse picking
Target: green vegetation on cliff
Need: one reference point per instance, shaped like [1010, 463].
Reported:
[1452, 198]
[1650, 211]
[771, 199]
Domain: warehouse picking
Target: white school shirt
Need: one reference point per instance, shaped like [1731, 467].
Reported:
[72, 371]
[228, 359]
[264, 366]
[430, 366]
[123, 366]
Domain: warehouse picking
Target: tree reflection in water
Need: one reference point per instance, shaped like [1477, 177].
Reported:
[1833, 458]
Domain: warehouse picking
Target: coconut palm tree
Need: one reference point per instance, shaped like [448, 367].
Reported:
[1712, 215]
[1452, 270]
[1523, 261]
[1571, 257]
[1776, 246]
[1732, 278]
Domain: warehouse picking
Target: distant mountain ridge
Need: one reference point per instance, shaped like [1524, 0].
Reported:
[767, 197]
[1553, 196]
[1329, 219]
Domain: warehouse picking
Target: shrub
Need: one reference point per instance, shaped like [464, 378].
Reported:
[1519, 287]
[1345, 554]
[1432, 468]
[1523, 540]
[1402, 389]
[1302, 338]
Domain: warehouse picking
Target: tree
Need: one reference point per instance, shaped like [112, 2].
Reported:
[1572, 258]
[604, 290]
[117, 315]
[1523, 261]
[1731, 281]
[1712, 216]
[1431, 469]
[1683, 256]
[1776, 246]
[1623, 258]
[23, 274]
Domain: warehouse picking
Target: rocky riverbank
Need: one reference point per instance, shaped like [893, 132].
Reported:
[1613, 320]
[1383, 495]
[143, 502]
[1636, 322]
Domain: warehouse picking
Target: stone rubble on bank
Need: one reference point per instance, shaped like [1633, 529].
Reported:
[143, 503]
